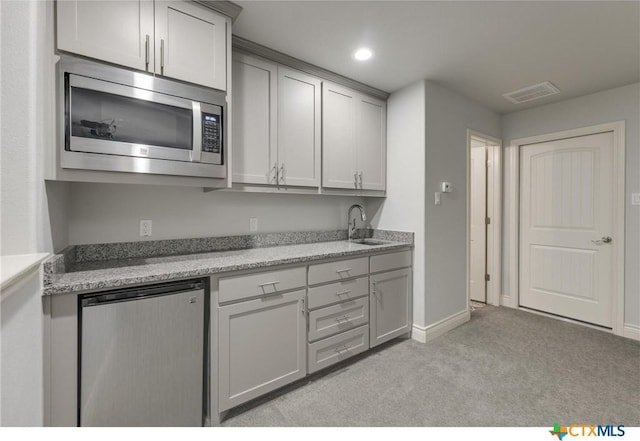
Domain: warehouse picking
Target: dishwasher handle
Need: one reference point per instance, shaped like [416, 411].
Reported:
[127, 294]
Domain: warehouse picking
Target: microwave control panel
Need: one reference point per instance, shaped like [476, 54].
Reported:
[211, 133]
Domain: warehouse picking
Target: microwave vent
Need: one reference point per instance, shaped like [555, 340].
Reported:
[532, 93]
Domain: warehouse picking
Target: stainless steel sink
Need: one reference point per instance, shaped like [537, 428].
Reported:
[371, 242]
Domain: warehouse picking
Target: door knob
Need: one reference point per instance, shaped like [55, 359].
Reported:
[603, 239]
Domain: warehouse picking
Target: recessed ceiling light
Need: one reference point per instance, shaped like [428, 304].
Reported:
[363, 54]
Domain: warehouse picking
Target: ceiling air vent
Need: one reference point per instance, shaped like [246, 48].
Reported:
[531, 93]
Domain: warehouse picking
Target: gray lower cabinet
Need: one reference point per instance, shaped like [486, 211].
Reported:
[338, 311]
[276, 326]
[262, 345]
[390, 305]
[324, 353]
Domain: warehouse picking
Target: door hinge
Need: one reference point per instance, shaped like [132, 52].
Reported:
[487, 278]
[487, 220]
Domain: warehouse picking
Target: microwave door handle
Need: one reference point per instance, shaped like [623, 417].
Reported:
[196, 153]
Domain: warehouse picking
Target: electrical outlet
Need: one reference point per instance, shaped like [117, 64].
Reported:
[253, 224]
[145, 228]
[635, 198]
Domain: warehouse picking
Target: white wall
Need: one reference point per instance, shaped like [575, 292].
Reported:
[622, 103]
[26, 70]
[26, 75]
[403, 208]
[448, 117]
[103, 213]
[21, 343]
[427, 144]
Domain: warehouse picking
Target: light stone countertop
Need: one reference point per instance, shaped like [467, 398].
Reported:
[91, 276]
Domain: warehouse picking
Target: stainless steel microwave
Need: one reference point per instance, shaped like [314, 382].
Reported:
[115, 119]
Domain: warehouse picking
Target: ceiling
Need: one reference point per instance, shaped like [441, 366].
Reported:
[480, 49]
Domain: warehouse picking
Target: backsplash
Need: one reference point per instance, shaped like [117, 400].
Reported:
[75, 255]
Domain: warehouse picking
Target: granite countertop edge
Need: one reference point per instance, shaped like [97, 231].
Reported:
[171, 268]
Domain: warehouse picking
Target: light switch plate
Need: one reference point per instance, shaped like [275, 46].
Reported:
[635, 198]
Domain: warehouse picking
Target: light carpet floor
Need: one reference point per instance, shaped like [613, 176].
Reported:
[505, 367]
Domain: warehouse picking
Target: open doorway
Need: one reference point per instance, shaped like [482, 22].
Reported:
[483, 220]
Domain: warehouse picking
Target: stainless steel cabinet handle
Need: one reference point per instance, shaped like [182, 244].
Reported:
[360, 174]
[343, 317]
[341, 349]
[161, 56]
[274, 283]
[146, 52]
[281, 173]
[345, 292]
[343, 270]
[355, 179]
[275, 172]
[602, 240]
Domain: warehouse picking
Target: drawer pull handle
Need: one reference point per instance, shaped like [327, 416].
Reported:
[343, 317]
[340, 349]
[343, 270]
[345, 292]
[274, 283]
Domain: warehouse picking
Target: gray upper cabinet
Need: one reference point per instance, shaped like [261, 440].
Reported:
[191, 43]
[176, 39]
[255, 148]
[339, 169]
[371, 142]
[354, 139]
[276, 124]
[299, 140]
[118, 32]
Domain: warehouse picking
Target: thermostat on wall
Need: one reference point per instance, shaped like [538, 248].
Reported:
[446, 187]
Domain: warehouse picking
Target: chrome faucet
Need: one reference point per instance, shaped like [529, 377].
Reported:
[352, 226]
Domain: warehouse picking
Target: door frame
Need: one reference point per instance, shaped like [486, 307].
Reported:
[618, 184]
[494, 211]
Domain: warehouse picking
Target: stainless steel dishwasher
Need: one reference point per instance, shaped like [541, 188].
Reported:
[143, 356]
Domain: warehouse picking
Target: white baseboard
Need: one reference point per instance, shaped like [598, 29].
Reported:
[631, 331]
[425, 334]
[508, 301]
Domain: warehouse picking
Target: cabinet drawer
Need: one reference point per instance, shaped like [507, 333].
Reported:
[386, 262]
[341, 269]
[338, 318]
[331, 350]
[324, 295]
[259, 284]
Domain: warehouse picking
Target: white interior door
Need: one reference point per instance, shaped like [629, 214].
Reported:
[478, 233]
[566, 218]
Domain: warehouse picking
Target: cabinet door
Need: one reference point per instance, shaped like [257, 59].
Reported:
[254, 120]
[371, 139]
[191, 43]
[338, 137]
[113, 31]
[262, 346]
[298, 128]
[390, 303]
